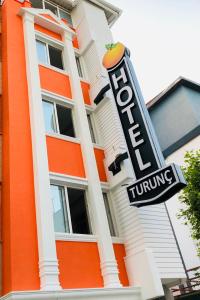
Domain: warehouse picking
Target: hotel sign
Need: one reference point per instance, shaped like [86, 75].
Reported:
[155, 182]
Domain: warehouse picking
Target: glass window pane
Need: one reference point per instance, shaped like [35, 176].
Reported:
[37, 3]
[51, 7]
[78, 63]
[66, 16]
[55, 56]
[41, 52]
[78, 211]
[61, 223]
[91, 128]
[65, 121]
[49, 116]
[109, 215]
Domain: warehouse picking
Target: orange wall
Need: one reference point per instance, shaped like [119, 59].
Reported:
[119, 255]
[99, 154]
[79, 265]
[48, 32]
[85, 90]
[20, 253]
[55, 82]
[75, 42]
[65, 157]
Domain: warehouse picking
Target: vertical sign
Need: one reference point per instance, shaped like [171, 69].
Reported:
[155, 183]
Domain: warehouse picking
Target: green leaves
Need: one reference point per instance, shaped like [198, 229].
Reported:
[190, 196]
[110, 46]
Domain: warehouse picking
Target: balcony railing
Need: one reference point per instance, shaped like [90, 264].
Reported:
[191, 286]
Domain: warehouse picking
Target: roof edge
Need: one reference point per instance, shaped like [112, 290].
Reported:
[106, 6]
[178, 82]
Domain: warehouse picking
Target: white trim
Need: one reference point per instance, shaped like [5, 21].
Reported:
[51, 97]
[63, 137]
[82, 65]
[75, 237]
[54, 68]
[89, 108]
[67, 209]
[58, 26]
[125, 293]
[113, 213]
[117, 240]
[97, 146]
[105, 186]
[70, 181]
[49, 39]
[48, 263]
[58, 98]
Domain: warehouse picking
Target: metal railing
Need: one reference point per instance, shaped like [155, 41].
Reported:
[192, 284]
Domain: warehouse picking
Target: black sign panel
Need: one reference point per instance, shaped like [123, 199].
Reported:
[155, 183]
[136, 133]
[156, 187]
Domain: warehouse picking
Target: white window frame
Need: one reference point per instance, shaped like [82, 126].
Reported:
[82, 65]
[90, 111]
[57, 45]
[95, 135]
[112, 211]
[58, 8]
[66, 103]
[71, 234]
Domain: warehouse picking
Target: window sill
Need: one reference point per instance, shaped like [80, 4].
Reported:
[97, 146]
[83, 238]
[84, 80]
[75, 237]
[63, 137]
[117, 240]
[54, 69]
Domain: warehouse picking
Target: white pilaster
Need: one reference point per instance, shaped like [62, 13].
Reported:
[48, 264]
[107, 256]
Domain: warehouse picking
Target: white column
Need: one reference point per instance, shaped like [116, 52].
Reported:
[108, 262]
[48, 264]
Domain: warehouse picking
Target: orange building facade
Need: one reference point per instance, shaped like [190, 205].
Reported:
[67, 229]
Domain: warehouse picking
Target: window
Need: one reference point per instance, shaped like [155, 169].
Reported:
[65, 15]
[37, 3]
[91, 128]
[61, 222]
[70, 210]
[109, 215]
[42, 52]
[51, 7]
[55, 9]
[79, 67]
[48, 54]
[58, 119]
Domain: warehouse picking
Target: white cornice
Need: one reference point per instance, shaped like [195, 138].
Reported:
[112, 12]
[78, 294]
[58, 26]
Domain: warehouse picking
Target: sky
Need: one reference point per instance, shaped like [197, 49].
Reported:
[164, 39]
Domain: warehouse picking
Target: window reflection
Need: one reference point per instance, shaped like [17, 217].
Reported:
[49, 116]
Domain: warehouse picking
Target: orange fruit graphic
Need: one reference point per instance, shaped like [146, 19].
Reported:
[113, 55]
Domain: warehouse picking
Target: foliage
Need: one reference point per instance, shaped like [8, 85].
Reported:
[190, 196]
[110, 46]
